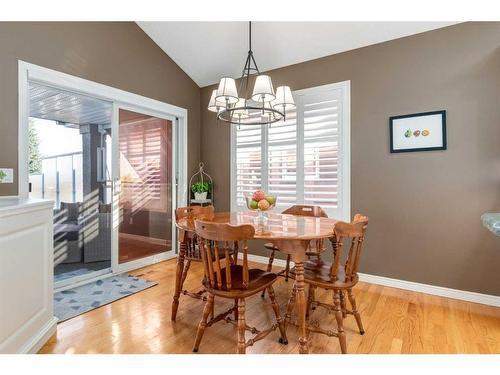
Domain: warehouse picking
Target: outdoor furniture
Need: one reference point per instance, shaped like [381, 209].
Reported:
[68, 234]
[82, 238]
[97, 235]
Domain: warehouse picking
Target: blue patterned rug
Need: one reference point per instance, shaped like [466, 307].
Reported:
[72, 302]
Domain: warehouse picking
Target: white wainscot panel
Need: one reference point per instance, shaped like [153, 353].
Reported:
[26, 275]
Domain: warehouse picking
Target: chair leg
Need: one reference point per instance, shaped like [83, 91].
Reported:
[342, 303]
[203, 322]
[241, 326]
[269, 269]
[185, 272]
[236, 309]
[287, 268]
[340, 323]
[212, 311]
[355, 312]
[290, 306]
[310, 299]
[283, 339]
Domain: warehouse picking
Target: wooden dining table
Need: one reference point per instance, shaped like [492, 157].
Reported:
[289, 233]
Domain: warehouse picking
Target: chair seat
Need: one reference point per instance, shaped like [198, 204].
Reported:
[67, 231]
[317, 272]
[257, 280]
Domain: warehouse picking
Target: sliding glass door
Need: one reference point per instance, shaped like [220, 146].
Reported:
[145, 189]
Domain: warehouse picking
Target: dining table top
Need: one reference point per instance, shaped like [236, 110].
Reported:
[277, 226]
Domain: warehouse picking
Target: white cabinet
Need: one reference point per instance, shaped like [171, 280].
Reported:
[26, 275]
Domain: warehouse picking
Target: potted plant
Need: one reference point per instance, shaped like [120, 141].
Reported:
[2, 175]
[201, 189]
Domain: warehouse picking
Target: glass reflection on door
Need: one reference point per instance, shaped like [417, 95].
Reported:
[145, 199]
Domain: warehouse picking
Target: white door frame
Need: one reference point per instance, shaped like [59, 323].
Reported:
[33, 73]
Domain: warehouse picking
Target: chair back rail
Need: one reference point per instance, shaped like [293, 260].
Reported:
[216, 236]
[354, 231]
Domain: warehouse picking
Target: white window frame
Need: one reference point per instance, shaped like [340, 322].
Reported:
[344, 150]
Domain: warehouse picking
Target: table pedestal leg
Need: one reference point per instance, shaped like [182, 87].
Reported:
[178, 278]
[301, 307]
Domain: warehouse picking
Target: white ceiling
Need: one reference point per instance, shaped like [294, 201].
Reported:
[208, 50]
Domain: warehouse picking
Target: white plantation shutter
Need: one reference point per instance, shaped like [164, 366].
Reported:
[248, 162]
[304, 159]
[320, 114]
[282, 160]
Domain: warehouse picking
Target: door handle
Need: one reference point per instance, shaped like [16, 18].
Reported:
[116, 186]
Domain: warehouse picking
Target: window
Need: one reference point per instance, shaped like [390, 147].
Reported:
[303, 160]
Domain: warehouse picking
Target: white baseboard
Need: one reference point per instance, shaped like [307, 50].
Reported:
[463, 295]
[36, 343]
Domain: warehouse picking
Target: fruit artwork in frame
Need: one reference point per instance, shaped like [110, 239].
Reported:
[418, 132]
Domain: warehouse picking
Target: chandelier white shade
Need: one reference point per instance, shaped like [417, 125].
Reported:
[284, 98]
[226, 92]
[260, 106]
[215, 105]
[263, 89]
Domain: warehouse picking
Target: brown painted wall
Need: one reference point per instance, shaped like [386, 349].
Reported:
[117, 54]
[424, 208]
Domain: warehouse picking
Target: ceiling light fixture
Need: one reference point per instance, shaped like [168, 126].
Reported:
[260, 107]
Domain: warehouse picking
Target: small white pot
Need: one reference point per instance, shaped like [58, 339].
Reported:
[200, 196]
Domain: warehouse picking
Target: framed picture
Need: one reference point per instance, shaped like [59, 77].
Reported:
[418, 132]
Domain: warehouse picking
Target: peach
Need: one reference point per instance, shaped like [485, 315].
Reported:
[263, 204]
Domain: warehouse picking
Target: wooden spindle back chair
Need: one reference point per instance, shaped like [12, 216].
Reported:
[191, 250]
[338, 276]
[309, 211]
[316, 250]
[194, 213]
[221, 238]
[225, 278]
[354, 231]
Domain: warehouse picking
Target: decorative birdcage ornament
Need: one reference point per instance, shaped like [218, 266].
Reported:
[201, 188]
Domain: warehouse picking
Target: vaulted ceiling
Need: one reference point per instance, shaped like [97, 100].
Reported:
[208, 50]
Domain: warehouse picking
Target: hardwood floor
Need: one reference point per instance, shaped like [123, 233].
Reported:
[396, 321]
[132, 248]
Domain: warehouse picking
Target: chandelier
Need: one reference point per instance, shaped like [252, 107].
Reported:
[263, 106]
